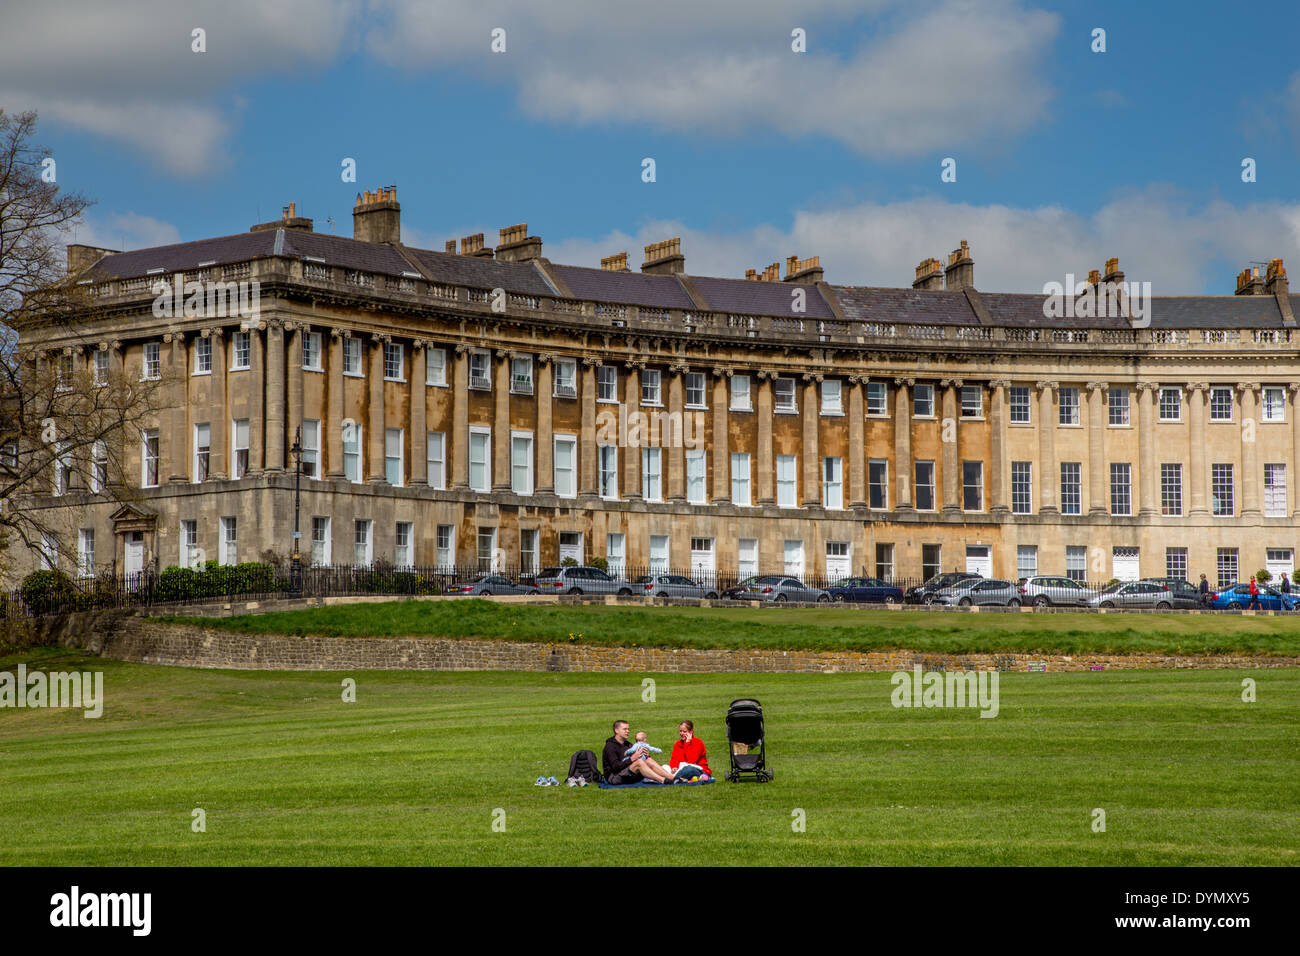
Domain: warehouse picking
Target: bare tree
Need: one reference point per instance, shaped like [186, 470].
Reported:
[62, 427]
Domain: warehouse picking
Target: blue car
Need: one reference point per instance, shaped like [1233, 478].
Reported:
[871, 590]
[1237, 597]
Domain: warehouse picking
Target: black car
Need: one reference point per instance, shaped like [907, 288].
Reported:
[924, 593]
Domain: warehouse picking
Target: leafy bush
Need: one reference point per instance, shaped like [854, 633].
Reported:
[569, 563]
[45, 592]
[215, 580]
[601, 563]
[1263, 576]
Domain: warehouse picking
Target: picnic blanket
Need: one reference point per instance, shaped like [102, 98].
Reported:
[646, 783]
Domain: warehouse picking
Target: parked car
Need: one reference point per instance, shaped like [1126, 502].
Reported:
[578, 579]
[775, 587]
[490, 584]
[1185, 593]
[1238, 596]
[871, 590]
[1134, 594]
[980, 591]
[673, 586]
[1044, 591]
[924, 593]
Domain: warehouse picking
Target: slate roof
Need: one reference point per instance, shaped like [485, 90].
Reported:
[346, 253]
[750, 297]
[630, 288]
[184, 256]
[869, 304]
[483, 273]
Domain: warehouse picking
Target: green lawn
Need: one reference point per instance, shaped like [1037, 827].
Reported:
[832, 628]
[411, 773]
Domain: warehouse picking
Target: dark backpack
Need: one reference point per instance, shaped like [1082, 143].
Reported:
[583, 764]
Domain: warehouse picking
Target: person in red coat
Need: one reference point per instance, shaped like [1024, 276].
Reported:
[689, 749]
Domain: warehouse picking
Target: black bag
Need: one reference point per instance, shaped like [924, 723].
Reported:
[583, 764]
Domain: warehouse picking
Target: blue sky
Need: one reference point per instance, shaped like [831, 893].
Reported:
[1064, 156]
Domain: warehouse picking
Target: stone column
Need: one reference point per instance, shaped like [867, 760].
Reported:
[334, 425]
[117, 474]
[418, 469]
[902, 439]
[632, 451]
[501, 423]
[765, 464]
[178, 454]
[1098, 486]
[1294, 479]
[951, 468]
[589, 464]
[1048, 468]
[998, 479]
[218, 414]
[294, 422]
[1251, 477]
[1196, 392]
[375, 466]
[275, 388]
[257, 402]
[1148, 481]
[721, 438]
[812, 462]
[460, 420]
[676, 453]
[546, 427]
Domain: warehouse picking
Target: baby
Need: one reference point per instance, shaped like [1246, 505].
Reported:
[641, 745]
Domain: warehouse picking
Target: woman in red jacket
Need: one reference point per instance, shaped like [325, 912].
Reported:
[689, 749]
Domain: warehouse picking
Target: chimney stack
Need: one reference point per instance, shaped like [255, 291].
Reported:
[664, 258]
[473, 246]
[929, 275]
[803, 270]
[377, 216]
[751, 275]
[960, 273]
[1275, 282]
[1249, 282]
[1112, 273]
[615, 263]
[289, 219]
[517, 246]
[81, 258]
[450, 246]
[772, 273]
[1094, 279]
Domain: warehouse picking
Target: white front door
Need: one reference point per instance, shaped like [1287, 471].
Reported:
[134, 552]
[979, 560]
[1124, 564]
[839, 563]
[571, 546]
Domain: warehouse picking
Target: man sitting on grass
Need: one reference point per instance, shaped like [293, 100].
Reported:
[622, 768]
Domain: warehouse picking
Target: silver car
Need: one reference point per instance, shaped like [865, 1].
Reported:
[1135, 594]
[777, 587]
[491, 584]
[580, 580]
[1045, 591]
[673, 586]
[980, 591]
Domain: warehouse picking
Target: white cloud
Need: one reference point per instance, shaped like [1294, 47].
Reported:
[122, 231]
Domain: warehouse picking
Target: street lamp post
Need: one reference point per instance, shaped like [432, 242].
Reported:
[295, 564]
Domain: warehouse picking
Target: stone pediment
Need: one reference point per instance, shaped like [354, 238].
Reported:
[130, 518]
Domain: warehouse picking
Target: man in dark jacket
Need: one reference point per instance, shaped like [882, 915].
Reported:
[619, 768]
[1205, 590]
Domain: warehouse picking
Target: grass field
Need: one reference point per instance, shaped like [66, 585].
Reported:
[412, 772]
[833, 628]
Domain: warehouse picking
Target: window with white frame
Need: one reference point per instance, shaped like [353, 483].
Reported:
[695, 469]
[832, 403]
[1222, 490]
[740, 397]
[435, 367]
[203, 356]
[793, 557]
[241, 351]
[98, 467]
[972, 401]
[152, 368]
[740, 478]
[616, 553]
[658, 552]
[878, 484]
[394, 473]
[651, 484]
[352, 356]
[352, 434]
[63, 375]
[972, 485]
[923, 401]
[228, 544]
[321, 541]
[62, 469]
[1221, 404]
[695, 390]
[786, 481]
[746, 557]
[1067, 398]
[924, 486]
[529, 553]
[1121, 489]
[1026, 561]
[1119, 407]
[571, 546]
[1272, 404]
[521, 462]
[1171, 404]
[362, 543]
[86, 552]
[877, 399]
[311, 351]
[311, 447]
[832, 482]
[521, 375]
[101, 366]
[651, 391]
[239, 448]
[402, 545]
[607, 384]
[480, 370]
[480, 458]
[487, 549]
[566, 378]
[1176, 563]
[608, 455]
[149, 458]
[1274, 491]
[931, 560]
[436, 452]
[783, 390]
[189, 542]
[1071, 487]
[702, 558]
[394, 362]
[1226, 561]
[1171, 489]
[202, 451]
[1076, 563]
[445, 541]
[566, 466]
[49, 551]
[1022, 488]
[1019, 405]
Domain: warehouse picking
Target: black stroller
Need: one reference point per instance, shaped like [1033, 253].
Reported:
[745, 741]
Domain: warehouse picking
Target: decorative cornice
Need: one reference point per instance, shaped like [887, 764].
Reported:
[811, 377]
[951, 382]
[721, 371]
[588, 361]
[767, 374]
[901, 382]
[1147, 386]
[679, 368]
[1244, 387]
[1198, 386]
[1097, 386]
[1046, 386]
[1005, 383]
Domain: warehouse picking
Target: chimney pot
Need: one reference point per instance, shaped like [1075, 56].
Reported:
[960, 273]
[664, 258]
[377, 217]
